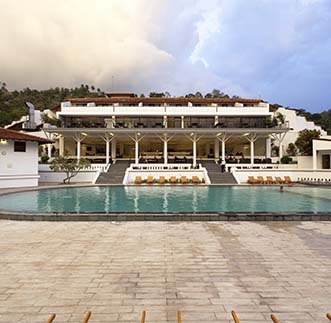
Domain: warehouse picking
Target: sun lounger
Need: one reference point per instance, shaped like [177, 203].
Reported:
[287, 180]
[183, 180]
[195, 180]
[270, 180]
[279, 180]
[150, 180]
[260, 180]
[161, 180]
[137, 180]
[252, 180]
[173, 180]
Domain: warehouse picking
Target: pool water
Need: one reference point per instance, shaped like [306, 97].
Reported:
[170, 199]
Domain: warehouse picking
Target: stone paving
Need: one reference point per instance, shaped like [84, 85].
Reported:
[205, 269]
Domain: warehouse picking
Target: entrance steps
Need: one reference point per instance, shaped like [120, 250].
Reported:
[215, 173]
[115, 173]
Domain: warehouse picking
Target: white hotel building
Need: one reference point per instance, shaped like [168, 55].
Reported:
[166, 128]
[171, 131]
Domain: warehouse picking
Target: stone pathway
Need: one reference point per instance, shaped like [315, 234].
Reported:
[204, 269]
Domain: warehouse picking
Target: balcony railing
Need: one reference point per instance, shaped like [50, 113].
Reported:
[221, 125]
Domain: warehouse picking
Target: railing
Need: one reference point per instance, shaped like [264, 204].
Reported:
[163, 167]
[260, 166]
[92, 168]
[179, 317]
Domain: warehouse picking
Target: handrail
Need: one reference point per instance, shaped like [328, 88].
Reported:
[87, 317]
[179, 317]
[143, 316]
[274, 318]
[235, 317]
[51, 318]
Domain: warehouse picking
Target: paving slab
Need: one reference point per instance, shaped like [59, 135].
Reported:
[204, 269]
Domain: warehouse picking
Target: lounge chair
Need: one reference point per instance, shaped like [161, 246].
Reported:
[260, 180]
[173, 180]
[270, 180]
[183, 180]
[279, 180]
[161, 180]
[138, 180]
[252, 180]
[287, 180]
[150, 180]
[195, 180]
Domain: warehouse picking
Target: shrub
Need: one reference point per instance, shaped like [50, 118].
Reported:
[286, 160]
[44, 159]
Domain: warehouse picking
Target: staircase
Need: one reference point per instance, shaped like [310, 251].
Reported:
[115, 173]
[215, 174]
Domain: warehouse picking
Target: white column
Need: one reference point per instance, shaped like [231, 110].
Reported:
[61, 146]
[78, 150]
[280, 151]
[113, 149]
[49, 150]
[216, 148]
[182, 122]
[136, 152]
[268, 147]
[165, 151]
[252, 152]
[223, 151]
[314, 159]
[165, 122]
[107, 151]
[194, 153]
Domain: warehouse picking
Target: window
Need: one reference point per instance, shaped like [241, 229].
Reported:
[20, 146]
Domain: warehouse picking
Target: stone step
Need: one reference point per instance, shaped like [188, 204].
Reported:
[216, 175]
[115, 173]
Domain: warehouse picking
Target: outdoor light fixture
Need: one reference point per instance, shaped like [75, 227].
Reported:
[3, 141]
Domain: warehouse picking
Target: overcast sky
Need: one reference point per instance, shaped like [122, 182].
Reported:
[279, 50]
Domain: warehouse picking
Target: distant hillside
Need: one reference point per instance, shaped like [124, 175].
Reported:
[12, 105]
[12, 102]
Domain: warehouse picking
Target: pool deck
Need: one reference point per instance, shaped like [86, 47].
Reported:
[205, 269]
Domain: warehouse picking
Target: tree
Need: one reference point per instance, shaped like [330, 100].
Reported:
[156, 95]
[291, 149]
[280, 118]
[69, 166]
[50, 120]
[304, 143]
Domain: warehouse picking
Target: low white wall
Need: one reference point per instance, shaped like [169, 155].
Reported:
[305, 162]
[296, 175]
[58, 177]
[7, 181]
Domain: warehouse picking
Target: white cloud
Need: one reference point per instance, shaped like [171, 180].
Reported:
[241, 47]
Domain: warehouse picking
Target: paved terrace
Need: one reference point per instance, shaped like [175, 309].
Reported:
[205, 269]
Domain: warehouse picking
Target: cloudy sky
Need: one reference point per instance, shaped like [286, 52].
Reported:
[279, 50]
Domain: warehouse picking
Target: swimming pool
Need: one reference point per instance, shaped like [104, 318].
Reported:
[168, 199]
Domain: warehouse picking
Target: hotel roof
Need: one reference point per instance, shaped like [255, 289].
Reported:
[156, 100]
[15, 135]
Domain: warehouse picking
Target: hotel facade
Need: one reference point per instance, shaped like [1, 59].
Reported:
[168, 130]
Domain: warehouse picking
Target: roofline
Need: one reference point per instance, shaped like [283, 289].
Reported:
[22, 136]
[161, 100]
